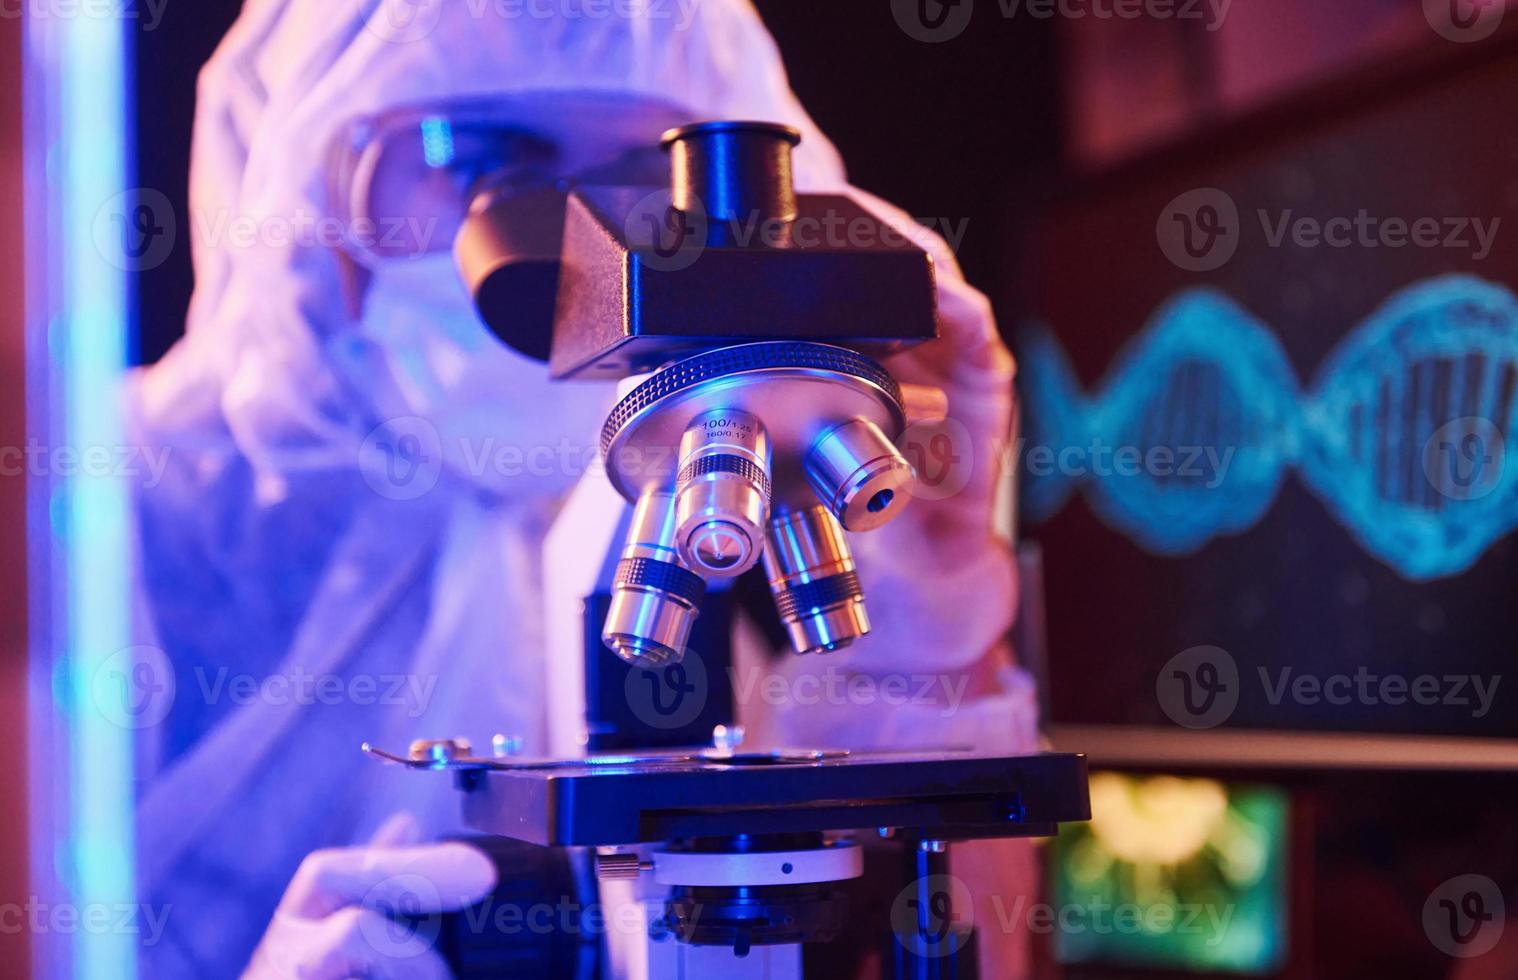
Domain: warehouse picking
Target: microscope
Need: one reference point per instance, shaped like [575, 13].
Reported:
[754, 427]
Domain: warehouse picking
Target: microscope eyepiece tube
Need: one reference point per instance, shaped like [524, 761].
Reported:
[859, 476]
[738, 173]
[813, 579]
[655, 598]
[722, 492]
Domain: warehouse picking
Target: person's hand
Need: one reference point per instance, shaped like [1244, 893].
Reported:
[940, 582]
[334, 921]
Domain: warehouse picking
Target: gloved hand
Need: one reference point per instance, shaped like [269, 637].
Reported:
[333, 922]
[939, 580]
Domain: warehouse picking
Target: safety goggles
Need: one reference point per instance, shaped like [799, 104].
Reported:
[400, 182]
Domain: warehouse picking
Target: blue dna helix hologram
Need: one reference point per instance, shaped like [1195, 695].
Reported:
[1404, 434]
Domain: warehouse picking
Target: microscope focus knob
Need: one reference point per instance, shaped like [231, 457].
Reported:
[616, 866]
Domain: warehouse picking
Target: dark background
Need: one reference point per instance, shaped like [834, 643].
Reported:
[168, 62]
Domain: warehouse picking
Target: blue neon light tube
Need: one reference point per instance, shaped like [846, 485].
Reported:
[82, 69]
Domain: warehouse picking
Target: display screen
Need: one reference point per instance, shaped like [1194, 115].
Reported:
[1270, 443]
[1175, 873]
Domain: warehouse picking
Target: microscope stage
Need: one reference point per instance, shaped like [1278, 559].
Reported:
[621, 800]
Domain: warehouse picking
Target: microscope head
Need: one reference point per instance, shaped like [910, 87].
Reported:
[609, 281]
[744, 320]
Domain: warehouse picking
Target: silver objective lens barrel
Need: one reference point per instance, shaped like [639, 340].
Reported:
[722, 492]
[859, 476]
[812, 576]
[655, 598]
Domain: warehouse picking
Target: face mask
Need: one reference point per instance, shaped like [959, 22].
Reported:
[439, 382]
[433, 371]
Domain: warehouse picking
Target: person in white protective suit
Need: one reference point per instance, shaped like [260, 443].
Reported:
[365, 606]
